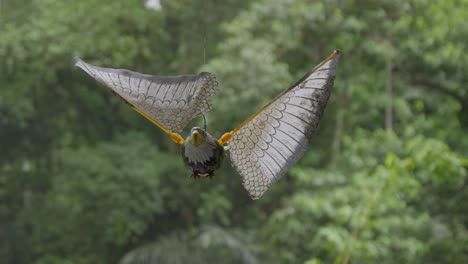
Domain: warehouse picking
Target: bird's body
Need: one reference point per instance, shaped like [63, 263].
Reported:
[262, 149]
[202, 153]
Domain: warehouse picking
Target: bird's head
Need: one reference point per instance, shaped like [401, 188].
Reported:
[197, 136]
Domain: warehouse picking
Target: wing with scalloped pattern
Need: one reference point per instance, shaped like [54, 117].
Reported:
[271, 141]
[168, 101]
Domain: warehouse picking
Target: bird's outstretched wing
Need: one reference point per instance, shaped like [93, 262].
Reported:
[168, 102]
[271, 141]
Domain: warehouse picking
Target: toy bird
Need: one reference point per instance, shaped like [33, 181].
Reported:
[262, 149]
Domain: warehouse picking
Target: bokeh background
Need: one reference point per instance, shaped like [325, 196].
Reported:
[85, 179]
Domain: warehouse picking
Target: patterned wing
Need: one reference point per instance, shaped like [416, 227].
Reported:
[170, 101]
[269, 143]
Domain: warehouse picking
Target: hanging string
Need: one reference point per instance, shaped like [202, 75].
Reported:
[204, 122]
[204, 31]
[204, 47]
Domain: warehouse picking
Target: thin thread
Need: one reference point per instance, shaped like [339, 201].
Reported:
[204, 32]
[204, 46]
[204, 122]
[204, 49]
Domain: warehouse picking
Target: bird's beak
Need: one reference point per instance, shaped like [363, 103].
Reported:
[196, 138]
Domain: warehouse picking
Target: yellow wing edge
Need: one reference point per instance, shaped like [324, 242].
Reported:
[174, 136]
[228, 135]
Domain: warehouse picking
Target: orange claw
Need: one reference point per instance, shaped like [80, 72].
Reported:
[177, 138]
[225, 138]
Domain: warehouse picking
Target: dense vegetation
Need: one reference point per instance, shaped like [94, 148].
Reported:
[84, 179]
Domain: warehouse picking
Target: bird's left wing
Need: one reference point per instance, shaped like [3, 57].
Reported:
[271, 141]
[168, 102]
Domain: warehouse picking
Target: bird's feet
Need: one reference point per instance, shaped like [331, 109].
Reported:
[196, 175]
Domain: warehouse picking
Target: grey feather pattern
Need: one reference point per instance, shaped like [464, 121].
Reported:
[270, 144]
[171, 101]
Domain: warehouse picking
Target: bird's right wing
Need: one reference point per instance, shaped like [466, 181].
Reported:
[271, 141]
[168, 102]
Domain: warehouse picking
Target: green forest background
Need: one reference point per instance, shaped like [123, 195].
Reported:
[85, 179]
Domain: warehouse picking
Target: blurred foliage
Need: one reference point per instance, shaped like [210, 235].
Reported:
[84, 179]
[209, 245]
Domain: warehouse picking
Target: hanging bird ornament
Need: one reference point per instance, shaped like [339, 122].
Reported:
[262, 149]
